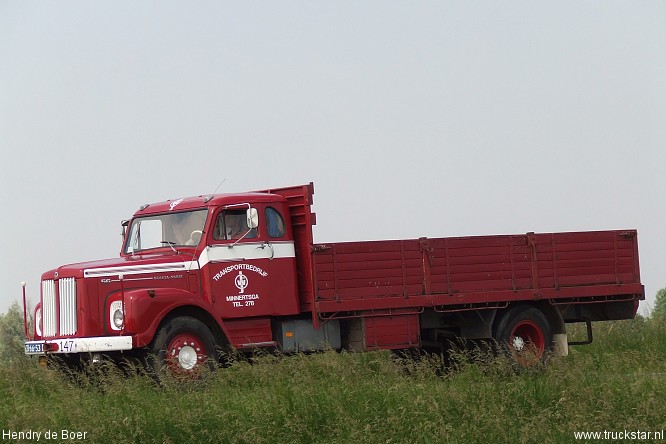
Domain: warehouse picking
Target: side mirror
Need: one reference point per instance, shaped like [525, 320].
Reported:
[252, 218]
[124, 225]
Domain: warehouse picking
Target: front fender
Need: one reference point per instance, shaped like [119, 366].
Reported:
[145, 310]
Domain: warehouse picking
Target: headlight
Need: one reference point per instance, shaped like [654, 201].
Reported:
[116, 318]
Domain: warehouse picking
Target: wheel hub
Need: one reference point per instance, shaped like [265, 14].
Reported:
[528, 342]
[518, 343]
[187, 357]
[185, 353]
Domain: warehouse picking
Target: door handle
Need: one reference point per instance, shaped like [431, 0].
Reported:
[267, 244]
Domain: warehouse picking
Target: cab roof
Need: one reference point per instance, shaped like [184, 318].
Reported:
[206, 201]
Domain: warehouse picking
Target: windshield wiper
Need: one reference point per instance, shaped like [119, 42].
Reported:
[171, 244]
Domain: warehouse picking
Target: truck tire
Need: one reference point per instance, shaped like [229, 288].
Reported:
[525, 332]
[184, 348]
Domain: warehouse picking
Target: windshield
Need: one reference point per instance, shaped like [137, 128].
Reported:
[166, 230]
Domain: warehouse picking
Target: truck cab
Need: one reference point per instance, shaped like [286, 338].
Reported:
[226, 264]
[241, 245]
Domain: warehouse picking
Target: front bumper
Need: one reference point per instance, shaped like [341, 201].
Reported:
[78, 345]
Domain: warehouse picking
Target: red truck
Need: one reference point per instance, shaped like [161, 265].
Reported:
[206, 274]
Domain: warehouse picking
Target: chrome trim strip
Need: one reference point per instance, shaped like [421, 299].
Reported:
[140, 269]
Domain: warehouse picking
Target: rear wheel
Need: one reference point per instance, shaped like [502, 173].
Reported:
[525, 331]
[184, 348]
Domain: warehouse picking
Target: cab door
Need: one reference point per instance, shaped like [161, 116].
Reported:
[252, 272]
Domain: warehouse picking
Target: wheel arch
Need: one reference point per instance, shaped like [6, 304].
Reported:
[221, 338]
[146, 313]
[552, 314]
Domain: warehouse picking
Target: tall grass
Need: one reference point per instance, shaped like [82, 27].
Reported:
[618, 383]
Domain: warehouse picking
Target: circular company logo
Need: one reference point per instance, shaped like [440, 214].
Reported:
[241, 281]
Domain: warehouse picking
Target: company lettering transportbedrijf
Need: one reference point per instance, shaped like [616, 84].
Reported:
[237, 267]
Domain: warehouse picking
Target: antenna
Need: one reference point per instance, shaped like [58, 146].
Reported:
[218, 187]
[208, 197]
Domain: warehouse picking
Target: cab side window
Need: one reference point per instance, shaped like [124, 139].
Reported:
[231, 225]
[274, 223]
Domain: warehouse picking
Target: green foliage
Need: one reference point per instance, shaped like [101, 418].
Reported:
[617, 383]
[659, 310]
[12, 334]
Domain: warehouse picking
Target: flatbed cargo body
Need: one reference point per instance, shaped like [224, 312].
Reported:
[459, 271]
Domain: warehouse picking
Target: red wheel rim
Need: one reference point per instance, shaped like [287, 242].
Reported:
[528, 342]
[185, 353]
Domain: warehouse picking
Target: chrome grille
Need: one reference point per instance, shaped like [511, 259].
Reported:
[49, 308]
[59, 320]
[67, 293]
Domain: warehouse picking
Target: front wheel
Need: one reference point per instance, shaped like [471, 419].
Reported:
[184, 347]
[526, 333]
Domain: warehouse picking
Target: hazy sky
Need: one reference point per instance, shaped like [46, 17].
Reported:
[474, 117]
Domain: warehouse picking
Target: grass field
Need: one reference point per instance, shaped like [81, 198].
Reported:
[616, 384]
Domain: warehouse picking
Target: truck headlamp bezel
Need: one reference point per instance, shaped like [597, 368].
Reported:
[118, 319]
[116, 315]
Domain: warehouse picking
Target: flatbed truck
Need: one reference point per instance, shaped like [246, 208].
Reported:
[205, 275]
